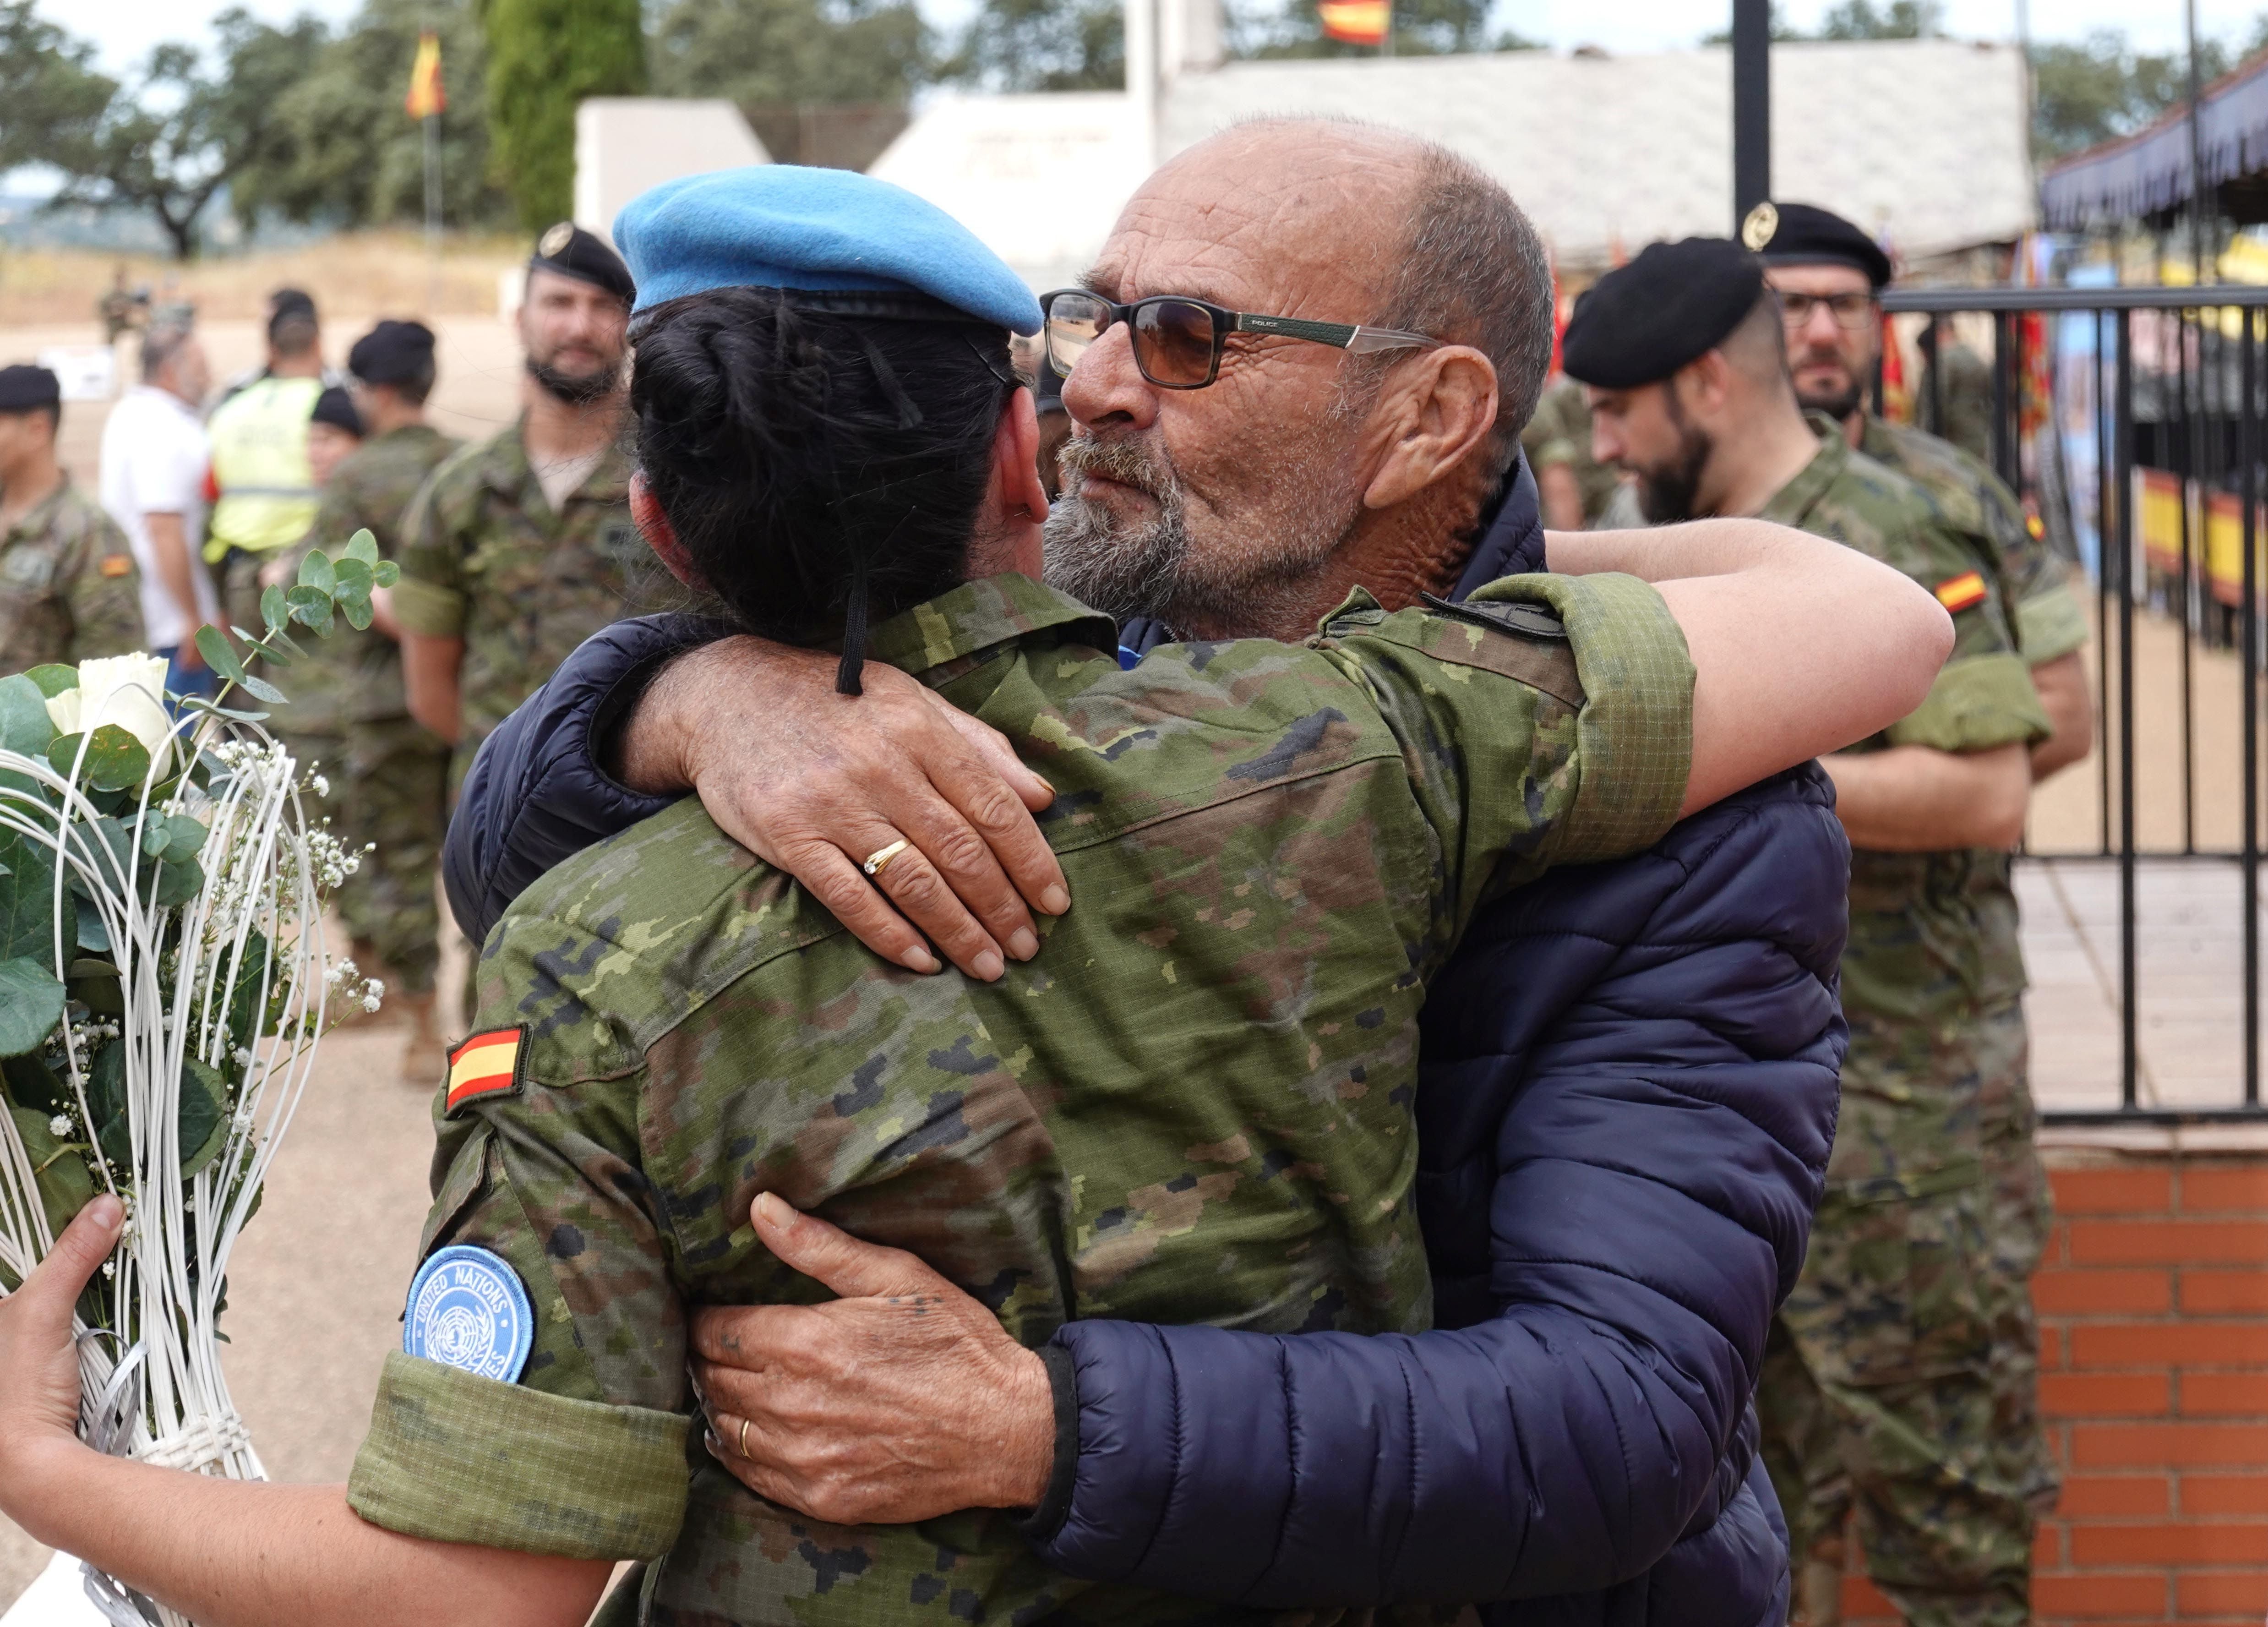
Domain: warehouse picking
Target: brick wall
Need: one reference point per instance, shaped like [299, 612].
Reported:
[2154, 1314]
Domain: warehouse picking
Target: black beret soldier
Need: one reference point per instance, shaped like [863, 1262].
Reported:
[568, 250]
[393, 352]
[1805, 235]
[68, 585]
[1645, 321]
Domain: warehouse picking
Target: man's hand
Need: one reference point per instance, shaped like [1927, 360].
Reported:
[816, 782]
[902, 1401]
[38, 1366]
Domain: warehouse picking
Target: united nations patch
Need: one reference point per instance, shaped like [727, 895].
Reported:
[468, 1309]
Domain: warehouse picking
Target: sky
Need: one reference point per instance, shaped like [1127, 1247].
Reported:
[124, 30]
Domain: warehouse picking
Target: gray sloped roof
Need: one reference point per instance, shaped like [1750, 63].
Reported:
[1922, 142]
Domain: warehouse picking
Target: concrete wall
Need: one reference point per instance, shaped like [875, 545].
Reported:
[624, 144]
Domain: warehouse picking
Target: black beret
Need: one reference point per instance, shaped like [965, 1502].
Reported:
[392, 353]
[1803, 234]
[567, 250]
[335, 408]
[1642, 321]
[28, 389]
[290, 302]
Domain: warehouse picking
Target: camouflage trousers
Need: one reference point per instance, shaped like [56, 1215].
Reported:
[385, 780]
[1900, 1384]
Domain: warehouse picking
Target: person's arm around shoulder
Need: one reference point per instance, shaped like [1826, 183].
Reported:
[428, 605]
[1800, 645]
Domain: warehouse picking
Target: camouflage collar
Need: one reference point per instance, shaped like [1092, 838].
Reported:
[510, 474]
[982, 614]
[35, 520]
[1875, 439]
[1792, 501]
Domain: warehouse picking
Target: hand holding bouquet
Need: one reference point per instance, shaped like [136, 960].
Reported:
[163, 984]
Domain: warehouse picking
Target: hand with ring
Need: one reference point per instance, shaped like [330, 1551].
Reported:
[903, 814]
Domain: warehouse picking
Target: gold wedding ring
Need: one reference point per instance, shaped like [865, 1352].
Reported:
[744, 1437]
[881, 856]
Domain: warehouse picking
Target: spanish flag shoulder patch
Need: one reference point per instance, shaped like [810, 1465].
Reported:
[487, 1065]
[1959, 593]
[116, 565]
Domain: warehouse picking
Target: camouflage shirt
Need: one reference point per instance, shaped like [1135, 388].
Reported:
[485, 559]
[1932, 934]
[2048, 620]
[1194, 1106]
[68, 587]
[356, 677]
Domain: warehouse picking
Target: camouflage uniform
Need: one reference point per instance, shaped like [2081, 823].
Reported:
[485, 559]
[1885, 1388]
[1560, 434]
[387, 771]
[1194, 1106]
[68, 587]
[1968, 415]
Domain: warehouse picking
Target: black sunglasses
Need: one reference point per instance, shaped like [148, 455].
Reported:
[1178, 341]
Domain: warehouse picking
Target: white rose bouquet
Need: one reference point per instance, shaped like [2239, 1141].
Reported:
[163, 983]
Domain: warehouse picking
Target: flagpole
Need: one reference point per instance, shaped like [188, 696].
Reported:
[432, 123]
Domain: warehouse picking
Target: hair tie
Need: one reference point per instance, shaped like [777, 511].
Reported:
[853, 664]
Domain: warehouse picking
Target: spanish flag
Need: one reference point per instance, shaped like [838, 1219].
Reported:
[426, 99]
[1357, 22]
[1959, 593]
[487, 1065]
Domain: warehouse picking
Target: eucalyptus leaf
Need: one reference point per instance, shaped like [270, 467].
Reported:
[114, 760]
[359, 613]
[177, 884]
[95, 984]
[31, 1005]
[386, 573]
[263, 689]
[354, 576]
[24, 726]
[92, 932]
[203, 1124]
[274, 611]
[65, 1186]
[361, 547]
[185, 837]
[220, 655]
[315, 571]
[27, 901]
[53, 678]
[30, 1083]
[154, 834]
[106, 1094]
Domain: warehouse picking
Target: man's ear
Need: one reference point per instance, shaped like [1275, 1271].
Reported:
[1433, 421]
[1016, 460]
[660, 535]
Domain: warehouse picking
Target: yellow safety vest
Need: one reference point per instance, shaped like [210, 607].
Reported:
[267, 495]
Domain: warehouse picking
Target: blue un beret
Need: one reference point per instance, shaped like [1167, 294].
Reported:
[818, 230]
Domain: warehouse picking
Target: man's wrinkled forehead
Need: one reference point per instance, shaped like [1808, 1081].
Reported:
[1274, 219]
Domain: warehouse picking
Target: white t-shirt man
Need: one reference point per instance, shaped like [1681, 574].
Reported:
[153, 462]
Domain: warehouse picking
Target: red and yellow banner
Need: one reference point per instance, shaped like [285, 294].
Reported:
[487, 1065]
[426, 99]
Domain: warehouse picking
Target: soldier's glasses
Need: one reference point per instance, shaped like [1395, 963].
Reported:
[1852, 311]
[1178, 342]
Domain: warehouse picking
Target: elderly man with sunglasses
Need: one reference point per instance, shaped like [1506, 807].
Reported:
[1301, 363]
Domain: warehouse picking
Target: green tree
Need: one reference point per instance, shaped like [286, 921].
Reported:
[51, 101]
[168, 143]
[1044, 45]
[543, 57]
[776, 52]
[1896, 19]
[344, 152]
[2100, 88]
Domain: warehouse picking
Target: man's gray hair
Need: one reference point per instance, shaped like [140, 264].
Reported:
[161, 345]
[1473, 271]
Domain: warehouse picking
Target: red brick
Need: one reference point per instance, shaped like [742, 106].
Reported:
[2112, 1191]
[2195, 1544]
[2047, 1546]
[2244, 1188]
[2107, 1394]
[2152, 1446]
[2208, 1293]
[2070, 1293]
[2226, 1592]
[2052, 1350]
[2170, 1345]
[2224, 1494]
[2168, 1242]
[2098, 1596]
[2120, 1494]
[2225, 1395]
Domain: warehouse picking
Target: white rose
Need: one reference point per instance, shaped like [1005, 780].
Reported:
[129, 690]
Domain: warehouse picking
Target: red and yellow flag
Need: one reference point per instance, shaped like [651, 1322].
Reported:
[1358, 22]
[1959, 593]
[426, 99]
[487, 1065]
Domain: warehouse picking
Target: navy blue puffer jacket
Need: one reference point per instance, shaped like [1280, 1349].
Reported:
[1628, 1096]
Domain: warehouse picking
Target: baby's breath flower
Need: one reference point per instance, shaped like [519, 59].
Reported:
[59, 1126]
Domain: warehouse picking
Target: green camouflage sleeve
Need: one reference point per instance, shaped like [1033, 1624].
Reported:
[2046, 616]
[585, 1456]
[429, 598]
[1983, 697]
[1525, 743]
[2050, 622]
[105, 594]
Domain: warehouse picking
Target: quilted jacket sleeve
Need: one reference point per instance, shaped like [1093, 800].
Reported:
[1629, 1097]
[535, 794]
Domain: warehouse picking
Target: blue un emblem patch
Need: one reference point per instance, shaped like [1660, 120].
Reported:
[469, 1310]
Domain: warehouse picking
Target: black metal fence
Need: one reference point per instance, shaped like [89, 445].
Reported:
[2131, 421]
